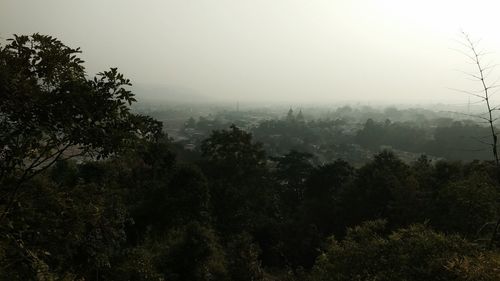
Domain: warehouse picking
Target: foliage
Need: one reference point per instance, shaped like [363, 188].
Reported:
[464, 206]
[72, 227]
[413, 253]
[193, 254]
[243, 259]
[49, 111]
[130, 207]
[384, 188]
[233, 150]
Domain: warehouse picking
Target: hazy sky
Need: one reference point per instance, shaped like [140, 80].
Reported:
[273, 50]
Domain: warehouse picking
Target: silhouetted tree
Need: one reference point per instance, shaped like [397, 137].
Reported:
[240, 190]
[323, 202]
[292, 171]
[51, 111]
[384, 188]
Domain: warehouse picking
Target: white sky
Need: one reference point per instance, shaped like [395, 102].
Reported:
[273, 50]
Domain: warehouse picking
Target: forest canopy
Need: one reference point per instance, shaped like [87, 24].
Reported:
[91, 190]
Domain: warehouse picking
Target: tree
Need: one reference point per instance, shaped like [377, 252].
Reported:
[233, 152]
[384, 188]
[193, 254]
[243, 259]
[322, 197]
[292, 170]
[191, 123]
[71, 223]
[50, 110]
[464, 206]
[239, 181]
[484, 95]
[415, 253]
[187, 197]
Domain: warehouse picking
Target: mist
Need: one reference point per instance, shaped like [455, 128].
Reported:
[263, 140]
[270, 51]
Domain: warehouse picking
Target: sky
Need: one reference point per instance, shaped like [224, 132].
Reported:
[306, 51]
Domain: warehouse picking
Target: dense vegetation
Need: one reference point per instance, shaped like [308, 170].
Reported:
[339, 135]
[92, 191]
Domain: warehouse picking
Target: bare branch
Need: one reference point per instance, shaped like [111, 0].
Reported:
[465, 54]
[468, 93]
[470, 115]
[470, 75]
[481, 141]
[480, 70]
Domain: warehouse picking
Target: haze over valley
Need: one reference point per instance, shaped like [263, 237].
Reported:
[263, 140]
